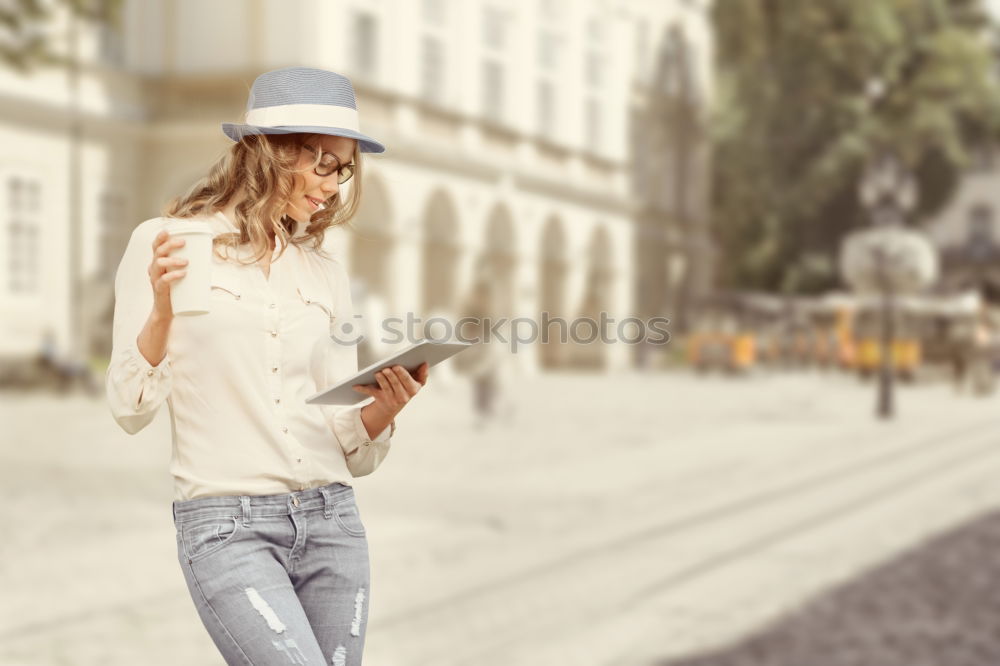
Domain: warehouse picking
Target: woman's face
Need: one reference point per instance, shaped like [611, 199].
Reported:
[310, 189]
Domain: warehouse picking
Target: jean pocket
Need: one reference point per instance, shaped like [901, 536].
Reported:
[200, 538]
[346, 513]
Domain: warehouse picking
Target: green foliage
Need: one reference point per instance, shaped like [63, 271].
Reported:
[27, 37]
[807, 93]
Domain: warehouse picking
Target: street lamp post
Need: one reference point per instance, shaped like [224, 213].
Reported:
[889, 193]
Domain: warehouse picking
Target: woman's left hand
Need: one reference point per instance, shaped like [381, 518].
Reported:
[396, 386]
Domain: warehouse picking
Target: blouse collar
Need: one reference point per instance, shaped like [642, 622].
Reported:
[222, 224]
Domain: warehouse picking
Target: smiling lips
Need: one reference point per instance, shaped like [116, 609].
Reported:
[316, 203]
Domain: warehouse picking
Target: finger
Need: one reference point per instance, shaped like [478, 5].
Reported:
[169, 262]
[364, 388]
[173, 276]
[407, 381]
[423, 372]
[160, 237]
[383, 382]
[397, 382]
[162, 266]
[167, 246]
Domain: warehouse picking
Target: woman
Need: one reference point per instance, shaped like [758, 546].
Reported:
[268, 533]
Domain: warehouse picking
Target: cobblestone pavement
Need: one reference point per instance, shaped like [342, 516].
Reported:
[935, 605]
[625, 519]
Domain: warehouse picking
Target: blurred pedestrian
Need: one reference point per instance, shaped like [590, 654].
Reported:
[982, 379]
[269, 536]
[481, 362]
[959, 353]
[439, 325]
[60, 371]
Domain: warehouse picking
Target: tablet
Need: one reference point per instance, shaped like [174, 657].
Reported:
[411, 358]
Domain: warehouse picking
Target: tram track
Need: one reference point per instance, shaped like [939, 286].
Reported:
[843, 489]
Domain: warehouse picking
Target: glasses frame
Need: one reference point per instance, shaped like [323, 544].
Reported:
[339, 170]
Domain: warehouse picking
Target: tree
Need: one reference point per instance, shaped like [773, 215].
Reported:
[26, 38]
[807, 92]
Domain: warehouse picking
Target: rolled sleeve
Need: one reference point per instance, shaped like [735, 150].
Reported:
[363, 453]
[135, 389]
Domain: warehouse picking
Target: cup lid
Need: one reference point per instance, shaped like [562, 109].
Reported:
[189, 227]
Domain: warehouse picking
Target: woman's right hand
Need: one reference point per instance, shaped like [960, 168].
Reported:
[163, 271]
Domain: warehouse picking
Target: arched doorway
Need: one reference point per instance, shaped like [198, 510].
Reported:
[553, 268]
[440, 255]
[497, 261]
[596, 299]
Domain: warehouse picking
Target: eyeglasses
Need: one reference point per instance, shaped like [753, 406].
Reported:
[329, 164]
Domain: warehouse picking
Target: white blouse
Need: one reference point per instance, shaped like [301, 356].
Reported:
[236, 379]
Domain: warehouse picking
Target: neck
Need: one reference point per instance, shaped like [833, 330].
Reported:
[229, 210]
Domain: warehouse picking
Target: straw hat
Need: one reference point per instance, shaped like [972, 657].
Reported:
[302, 99]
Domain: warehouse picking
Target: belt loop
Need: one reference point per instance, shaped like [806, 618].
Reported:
[173, 510]
[245, 505]
[327, 503]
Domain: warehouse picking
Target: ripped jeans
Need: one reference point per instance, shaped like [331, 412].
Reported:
[278, 579]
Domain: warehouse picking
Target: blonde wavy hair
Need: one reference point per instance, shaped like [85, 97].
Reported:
[264, 167]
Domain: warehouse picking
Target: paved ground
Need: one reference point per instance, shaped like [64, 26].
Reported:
[936, 605]
[627, 519]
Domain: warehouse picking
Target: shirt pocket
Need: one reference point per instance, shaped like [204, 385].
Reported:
[315, 318]
[226, 284]
[317, 309]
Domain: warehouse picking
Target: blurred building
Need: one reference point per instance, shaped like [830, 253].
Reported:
[966, 233]
[554, 147]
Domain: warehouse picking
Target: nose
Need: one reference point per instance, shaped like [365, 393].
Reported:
[330, 185]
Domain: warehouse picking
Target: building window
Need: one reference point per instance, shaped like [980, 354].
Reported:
[365, 45]
[594, 58]
[434, 12]
[982, 158]
[546, 108]
[595, 68]
[493, 79]
[494, 28]
[24, 203]
[548, 50]
[432, 77]
[592, 123]
[642, 51]
[432, 51]
[112, 227]
[980, 239]
[493, 90]
[675, 76]
[550, 61]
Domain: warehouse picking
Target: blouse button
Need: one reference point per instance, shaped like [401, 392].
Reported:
[150, 373]
[274, 334]
[274, 369]
[273, 305]
[285, 429]
[277, 401]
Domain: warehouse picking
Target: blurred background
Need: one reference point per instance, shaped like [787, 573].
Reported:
[804, 474]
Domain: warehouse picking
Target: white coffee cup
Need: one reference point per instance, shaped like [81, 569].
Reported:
[191, 295]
